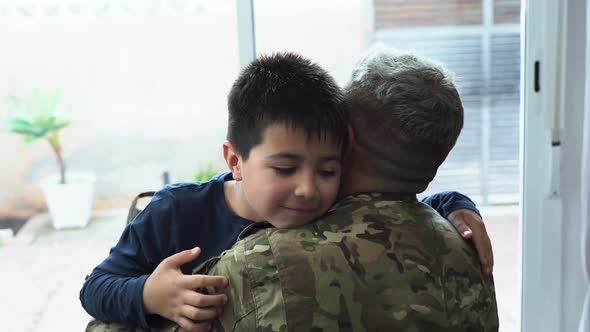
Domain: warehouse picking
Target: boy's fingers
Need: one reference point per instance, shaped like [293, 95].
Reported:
[182, 257]
[457, 219]
[470, 225]
[191, 326]
[483, 245]
[199, 314]
[197, 281]
[486, 256]
[204, 300]
[462, 228]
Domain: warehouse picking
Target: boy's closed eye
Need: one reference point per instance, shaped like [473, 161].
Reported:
[281, 170]
[329, 168]
[328, 173]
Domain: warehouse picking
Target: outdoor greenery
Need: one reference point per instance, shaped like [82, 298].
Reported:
[39, 117]
[205, 174]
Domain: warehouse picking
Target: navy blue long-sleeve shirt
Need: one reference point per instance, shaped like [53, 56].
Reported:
[448, 201]
[179, 217]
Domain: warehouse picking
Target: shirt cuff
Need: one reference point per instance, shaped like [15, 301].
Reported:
[137, 306]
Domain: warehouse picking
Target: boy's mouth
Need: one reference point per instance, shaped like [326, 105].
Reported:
[300, 210]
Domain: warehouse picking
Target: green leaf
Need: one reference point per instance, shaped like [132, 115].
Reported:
[36, 116]
[60, 125]
[25, 125]
[203, 175]
[19, 122]
[35, 132]
[30, 139]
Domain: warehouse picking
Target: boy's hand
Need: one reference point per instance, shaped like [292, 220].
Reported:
[470, 225]
[172, 295]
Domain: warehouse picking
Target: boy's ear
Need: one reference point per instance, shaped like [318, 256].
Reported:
[233, 160]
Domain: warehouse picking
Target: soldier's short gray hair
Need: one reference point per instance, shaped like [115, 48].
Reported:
[418, 92]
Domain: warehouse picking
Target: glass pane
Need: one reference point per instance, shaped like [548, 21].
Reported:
[504, 116]
[506, 11]
[403, 13]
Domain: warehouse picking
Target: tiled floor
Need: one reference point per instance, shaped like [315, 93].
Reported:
[503, 227]
[39, 282]
[42, 271]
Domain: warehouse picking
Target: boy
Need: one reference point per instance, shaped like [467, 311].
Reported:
[286, 131]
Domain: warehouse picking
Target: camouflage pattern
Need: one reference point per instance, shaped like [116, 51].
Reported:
[98, 326]
[376, 263]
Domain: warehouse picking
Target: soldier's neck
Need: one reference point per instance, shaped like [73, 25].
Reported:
[358, 180]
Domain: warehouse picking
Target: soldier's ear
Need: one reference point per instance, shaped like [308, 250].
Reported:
[233, 160]
[349, 146]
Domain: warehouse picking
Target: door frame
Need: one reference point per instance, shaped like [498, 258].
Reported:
[542, 53]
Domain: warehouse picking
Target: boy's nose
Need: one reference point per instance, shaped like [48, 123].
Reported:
[306, 188]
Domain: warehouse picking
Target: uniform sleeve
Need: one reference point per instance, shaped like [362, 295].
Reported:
[254, 293]
[448, 201]
[113, 291]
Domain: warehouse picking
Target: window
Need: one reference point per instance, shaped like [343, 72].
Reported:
[478, 40]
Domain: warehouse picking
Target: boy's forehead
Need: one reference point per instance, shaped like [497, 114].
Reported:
[287, 129]
[280, 140]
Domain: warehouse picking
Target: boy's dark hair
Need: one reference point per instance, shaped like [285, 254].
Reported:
[284, 88]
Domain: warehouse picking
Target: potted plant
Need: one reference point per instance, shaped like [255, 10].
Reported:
[68, 198]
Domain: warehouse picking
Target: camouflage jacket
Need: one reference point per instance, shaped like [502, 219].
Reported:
[375, 263]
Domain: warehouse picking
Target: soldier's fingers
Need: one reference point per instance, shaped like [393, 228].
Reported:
[197, 281]
[204, 300]
[199, 314]
[192, 326]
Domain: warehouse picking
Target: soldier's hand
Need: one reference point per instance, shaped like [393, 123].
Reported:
[172, 295]
[470, 225]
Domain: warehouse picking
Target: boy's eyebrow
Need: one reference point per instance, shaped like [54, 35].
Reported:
[335, 157]
[285, 155]
[296, 157]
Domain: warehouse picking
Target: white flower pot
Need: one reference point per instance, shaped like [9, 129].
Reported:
[69, 204]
